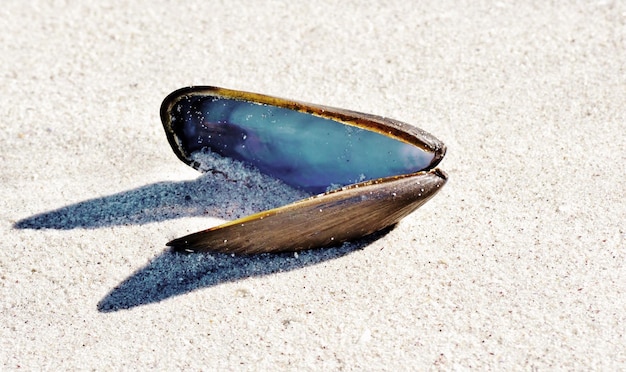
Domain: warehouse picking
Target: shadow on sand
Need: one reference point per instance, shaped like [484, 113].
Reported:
[171, 273]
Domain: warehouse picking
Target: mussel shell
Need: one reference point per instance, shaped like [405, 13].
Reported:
[309, 147]
[391, 185]
[320, 221]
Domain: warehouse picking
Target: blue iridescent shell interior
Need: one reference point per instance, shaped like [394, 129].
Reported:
[305, 151]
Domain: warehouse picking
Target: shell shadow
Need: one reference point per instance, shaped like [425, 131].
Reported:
[208, 195]
[172, 273]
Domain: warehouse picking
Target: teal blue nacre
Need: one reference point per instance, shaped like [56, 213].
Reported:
[303, 150]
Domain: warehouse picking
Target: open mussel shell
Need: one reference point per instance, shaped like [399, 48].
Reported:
[368, 172]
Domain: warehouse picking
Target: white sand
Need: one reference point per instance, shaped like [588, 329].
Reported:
[518, 263]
